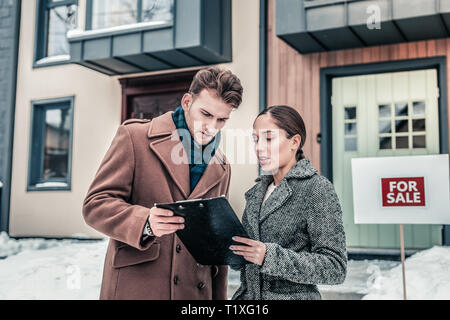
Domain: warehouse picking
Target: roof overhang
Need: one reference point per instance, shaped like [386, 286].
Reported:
[325, 25]
[194, 38]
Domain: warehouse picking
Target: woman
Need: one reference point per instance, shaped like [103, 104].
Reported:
[292, 216]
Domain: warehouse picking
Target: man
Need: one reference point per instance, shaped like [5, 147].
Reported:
[152, 162]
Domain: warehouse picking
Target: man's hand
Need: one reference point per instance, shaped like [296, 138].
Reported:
[162, 222]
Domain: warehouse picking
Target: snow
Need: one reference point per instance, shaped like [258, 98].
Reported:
[52, 59]
[51, 184]
[427, 278]
[78, 34]
[50, 269]
[360, 276]
[72, 270]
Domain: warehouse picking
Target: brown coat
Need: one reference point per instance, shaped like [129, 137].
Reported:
[137, 172]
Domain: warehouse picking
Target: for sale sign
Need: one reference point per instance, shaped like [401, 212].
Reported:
[403, 192]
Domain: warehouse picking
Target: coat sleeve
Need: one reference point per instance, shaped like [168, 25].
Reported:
[326, 263]
[106, 207]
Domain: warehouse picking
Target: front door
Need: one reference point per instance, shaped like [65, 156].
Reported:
[151, 96]
[390, 114]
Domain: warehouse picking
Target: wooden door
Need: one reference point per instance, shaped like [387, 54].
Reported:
[152, 96]
[391, 114]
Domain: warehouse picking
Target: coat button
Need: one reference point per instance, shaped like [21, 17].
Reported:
[178, 248]
[175, 280]
[201, 285]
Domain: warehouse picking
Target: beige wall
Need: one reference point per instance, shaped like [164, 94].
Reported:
[97, 112]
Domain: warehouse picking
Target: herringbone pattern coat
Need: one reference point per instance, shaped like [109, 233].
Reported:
[301, 225]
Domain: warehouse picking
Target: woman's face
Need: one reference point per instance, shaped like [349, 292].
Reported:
[273, 148]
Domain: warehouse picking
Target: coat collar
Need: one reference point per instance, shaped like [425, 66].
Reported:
[165, 142]
[259, 211]
[303, 169]
[161, 126]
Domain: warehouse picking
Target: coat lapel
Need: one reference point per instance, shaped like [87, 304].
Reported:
[278, 197]
[254, 198]
[168, 148]
[170, 151]
[302, 170]
[256, 211]
[213, 175]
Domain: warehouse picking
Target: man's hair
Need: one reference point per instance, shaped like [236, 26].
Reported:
[226, 85]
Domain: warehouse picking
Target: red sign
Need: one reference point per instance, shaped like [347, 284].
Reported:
[403, 192]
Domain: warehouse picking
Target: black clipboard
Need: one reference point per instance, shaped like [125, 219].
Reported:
[210, 225]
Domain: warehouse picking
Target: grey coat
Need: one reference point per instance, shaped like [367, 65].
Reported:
[301, 225]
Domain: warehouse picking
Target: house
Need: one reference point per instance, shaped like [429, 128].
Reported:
[86, 66]
[9, 26]
[369, 78]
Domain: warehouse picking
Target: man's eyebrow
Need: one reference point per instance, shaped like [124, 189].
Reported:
[211, 114]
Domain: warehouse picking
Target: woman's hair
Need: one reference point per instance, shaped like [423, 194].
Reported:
[288, 119]
[226, 85]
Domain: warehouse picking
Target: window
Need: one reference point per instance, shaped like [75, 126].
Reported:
[350, 134]
[51, 145]
[103, 14]
[54, 19]
[402, 125]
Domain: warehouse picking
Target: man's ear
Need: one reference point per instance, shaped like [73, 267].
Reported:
[186, 101]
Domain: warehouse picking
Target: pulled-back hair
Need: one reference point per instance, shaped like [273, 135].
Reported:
[288, 119]
[226, 85]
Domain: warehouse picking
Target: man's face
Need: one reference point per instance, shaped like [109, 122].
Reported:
[205, 115]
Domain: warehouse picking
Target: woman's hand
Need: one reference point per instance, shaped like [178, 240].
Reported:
[253, 251]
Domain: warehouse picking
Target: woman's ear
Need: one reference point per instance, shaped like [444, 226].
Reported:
[296, 141]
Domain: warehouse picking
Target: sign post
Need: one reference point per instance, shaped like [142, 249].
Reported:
[402, 252]
[401, 190]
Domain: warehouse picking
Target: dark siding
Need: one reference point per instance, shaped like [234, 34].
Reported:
[9, 26]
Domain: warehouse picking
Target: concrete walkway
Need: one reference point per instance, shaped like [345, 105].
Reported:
[360, 275]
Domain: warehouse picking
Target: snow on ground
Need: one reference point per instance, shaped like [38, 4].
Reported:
[37, 269]
[72, 269]
[9, 246]
[427, 278]
[360, 276]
